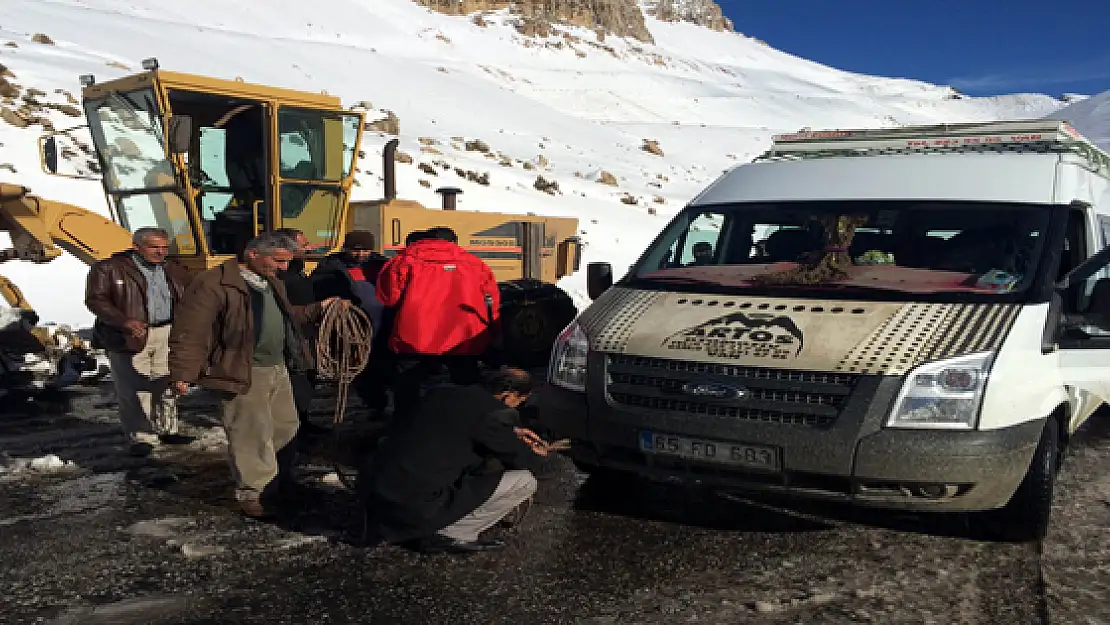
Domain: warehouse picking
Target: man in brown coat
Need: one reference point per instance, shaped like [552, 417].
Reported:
[235, 333]
[134, 295]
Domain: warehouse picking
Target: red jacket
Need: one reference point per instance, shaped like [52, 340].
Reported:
[439, 291]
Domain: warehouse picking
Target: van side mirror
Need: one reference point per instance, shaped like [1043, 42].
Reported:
[599, 278]
[180, 133]
[1085, 270]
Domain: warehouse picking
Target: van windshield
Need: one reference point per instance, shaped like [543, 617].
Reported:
[892, 247]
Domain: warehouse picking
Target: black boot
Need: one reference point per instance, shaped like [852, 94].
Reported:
[438, 543]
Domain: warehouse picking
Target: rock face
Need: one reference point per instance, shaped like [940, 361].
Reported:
[701, 12]
[622, 18]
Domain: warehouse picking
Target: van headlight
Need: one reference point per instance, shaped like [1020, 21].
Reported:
[943, 395]
[568, 359]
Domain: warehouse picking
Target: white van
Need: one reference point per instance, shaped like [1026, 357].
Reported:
[915, 318]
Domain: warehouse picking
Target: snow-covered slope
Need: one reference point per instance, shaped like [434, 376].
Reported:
[570, 104]
[1091, 117]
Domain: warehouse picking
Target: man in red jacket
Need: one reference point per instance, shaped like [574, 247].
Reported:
[446, 312]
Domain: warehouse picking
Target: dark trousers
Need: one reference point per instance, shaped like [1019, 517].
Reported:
[304, 387]
[413, 371]
[373, 383]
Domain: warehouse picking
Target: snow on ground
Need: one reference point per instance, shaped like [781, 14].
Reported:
[18, 466]
[711, 99]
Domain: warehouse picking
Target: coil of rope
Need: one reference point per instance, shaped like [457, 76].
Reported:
[342, 351]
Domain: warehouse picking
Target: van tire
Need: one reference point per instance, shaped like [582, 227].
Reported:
[1026, 517]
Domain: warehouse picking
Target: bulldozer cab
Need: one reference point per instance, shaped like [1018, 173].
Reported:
[214, 162]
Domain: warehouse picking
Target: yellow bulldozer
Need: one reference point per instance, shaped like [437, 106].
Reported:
[214, 162]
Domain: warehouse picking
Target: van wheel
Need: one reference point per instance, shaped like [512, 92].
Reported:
[1025, 518]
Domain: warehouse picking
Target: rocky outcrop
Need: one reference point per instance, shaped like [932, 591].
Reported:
[616, 17]
[651, 146]
[622, 18]
[701, 12]
[390, 124]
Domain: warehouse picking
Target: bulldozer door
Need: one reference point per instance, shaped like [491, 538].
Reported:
[533, 238]
[227, 167]
[141, 181]
[315, 164]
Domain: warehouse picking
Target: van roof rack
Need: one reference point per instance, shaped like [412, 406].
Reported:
[1003, 136]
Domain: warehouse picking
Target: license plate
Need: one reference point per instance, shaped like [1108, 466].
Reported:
[739, 454]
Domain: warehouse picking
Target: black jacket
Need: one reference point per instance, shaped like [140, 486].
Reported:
[298, 286]
[430, 468]
[331, 279]
[298, 289]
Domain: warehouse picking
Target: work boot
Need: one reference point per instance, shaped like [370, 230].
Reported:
[254, 509]
[139, 449]
[175, 439]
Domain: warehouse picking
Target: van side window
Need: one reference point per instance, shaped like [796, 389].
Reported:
[1086, 306]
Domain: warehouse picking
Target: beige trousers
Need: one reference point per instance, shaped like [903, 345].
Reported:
[258, 423]
[515, 486]
[147, 406]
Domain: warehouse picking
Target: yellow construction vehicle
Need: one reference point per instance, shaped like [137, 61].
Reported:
[527, 253]
[214, 162]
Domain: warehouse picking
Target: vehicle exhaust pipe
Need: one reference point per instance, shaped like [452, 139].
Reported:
[389, 168]
[449, 193]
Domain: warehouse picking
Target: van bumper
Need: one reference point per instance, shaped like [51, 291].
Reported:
[857, 462]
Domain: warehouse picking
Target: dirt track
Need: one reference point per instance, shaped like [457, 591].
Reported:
[118, 540]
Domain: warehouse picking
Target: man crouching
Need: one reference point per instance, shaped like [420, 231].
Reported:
[234, 332]
[429, 482]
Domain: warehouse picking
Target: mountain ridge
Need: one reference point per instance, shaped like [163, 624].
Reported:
[622, 132]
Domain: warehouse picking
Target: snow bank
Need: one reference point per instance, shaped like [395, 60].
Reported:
[45, 464]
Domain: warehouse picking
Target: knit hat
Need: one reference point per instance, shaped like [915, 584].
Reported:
[359, 240]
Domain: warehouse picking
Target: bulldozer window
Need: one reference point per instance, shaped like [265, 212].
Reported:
[226, 210]
[314, 210]
[127, 131]
[317, 145]
[166, 210]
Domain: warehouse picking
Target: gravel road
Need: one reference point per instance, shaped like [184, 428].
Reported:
[112, 539]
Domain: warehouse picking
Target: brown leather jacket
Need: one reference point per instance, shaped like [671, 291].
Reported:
[115, 292]
[212, 340]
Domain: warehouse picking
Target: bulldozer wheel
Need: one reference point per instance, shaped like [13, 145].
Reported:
[531, 327]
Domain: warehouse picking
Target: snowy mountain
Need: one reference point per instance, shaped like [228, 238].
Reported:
[571, 103]
[1090, 116]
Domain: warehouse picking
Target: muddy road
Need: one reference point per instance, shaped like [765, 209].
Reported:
[111, 539]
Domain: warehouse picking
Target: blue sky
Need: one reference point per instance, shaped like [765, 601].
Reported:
[981, 47]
